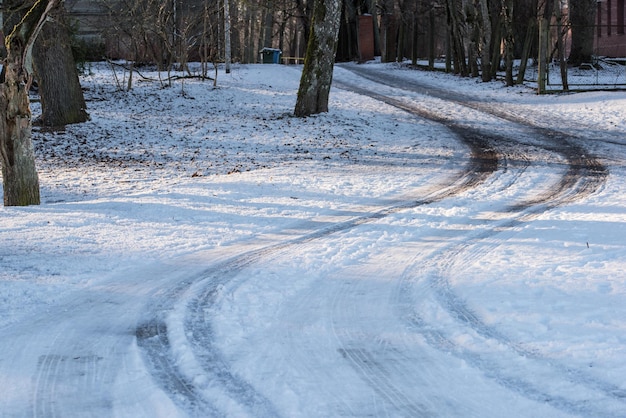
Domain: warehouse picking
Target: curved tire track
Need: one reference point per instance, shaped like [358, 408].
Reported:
[489, 153]
[584, 176]
[199, 293]
[152, 335]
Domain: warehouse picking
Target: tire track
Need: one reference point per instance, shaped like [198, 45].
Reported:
[153, 340]
[50, 382]
[152, 335]
[382, 368]
[47, 366]
[585, 175]
[498, 365]
[489, 153]
[585, 171]
[371, 369]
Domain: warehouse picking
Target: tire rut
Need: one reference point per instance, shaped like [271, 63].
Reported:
[489, 153]
[152, 336]
[584, 176]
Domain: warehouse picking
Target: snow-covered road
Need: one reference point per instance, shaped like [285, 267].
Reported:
[457, 268]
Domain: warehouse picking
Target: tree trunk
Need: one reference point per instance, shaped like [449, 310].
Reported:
[268, 27]
[531, 32]
[19, 175]
[507, 17]
[496, 41]
[304, 11]
[317, 74]
[249, 38]
[377, 40]
[485, 40]
[347, 43]
[401, 31]
[414, 39]
[227, 50]
[582, 16]
[235, 34]
[456, 37]
[448, 48]
[431, 40]
[62, 100]
[561, 46]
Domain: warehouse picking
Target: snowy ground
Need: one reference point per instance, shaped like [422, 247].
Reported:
[200, 252]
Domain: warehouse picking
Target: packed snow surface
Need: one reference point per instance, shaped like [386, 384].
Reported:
[201, 252]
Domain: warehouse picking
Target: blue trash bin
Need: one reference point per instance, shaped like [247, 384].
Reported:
[270, 55]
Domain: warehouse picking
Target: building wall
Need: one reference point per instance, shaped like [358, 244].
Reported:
[87, 13]
[94, 24]
[611, 28]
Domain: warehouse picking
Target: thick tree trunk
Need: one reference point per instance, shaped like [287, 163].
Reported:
[582, 16]
[62, 100]
[317, 74]
[268, 26]
[19, 175]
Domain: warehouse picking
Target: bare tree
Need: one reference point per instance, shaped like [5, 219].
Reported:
[19, 174]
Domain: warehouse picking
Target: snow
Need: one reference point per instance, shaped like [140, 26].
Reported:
[199, 251]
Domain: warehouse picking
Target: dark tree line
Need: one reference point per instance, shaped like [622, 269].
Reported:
[475, 37]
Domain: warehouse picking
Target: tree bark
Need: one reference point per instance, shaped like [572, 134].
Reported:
[561, 46]
[456, 37]
[62, 100]
[582, 16]
[431, 39]
[19, 174]
[496, 41]
[227, 50]
[317, 73]
[507, 16]
[531, 33]
[485, 40]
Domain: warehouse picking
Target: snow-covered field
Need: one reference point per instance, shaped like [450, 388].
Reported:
[200, 252]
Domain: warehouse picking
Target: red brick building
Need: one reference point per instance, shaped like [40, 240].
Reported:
[610, 30]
